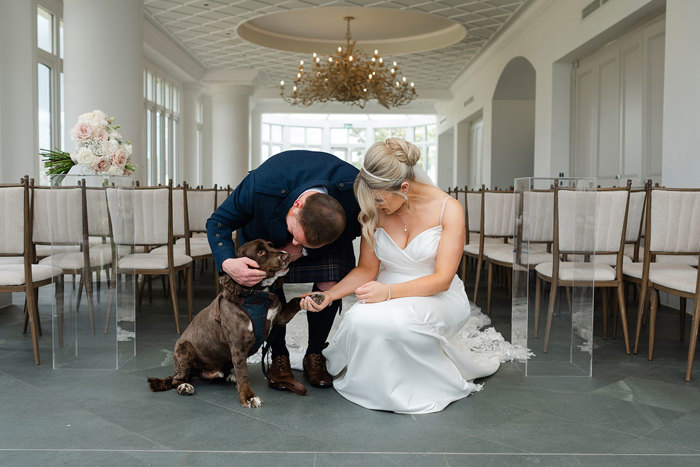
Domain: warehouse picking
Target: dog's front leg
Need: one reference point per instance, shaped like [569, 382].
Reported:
[245, 392]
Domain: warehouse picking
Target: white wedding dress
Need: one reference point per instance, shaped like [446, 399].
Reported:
[405, 355]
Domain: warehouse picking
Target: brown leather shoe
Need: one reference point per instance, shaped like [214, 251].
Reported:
[315, 371]
[280, 376]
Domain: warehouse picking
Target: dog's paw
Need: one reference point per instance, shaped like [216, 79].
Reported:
[253, 402]
[231, 378]
[185, 389]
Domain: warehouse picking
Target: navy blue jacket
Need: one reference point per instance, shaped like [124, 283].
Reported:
[258, 206]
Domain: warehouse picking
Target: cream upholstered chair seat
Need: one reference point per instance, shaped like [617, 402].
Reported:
[11, 260]
[148, 261]
[636, 270]
[506, 256]
[13, 274]
[578, 271]
[75, 260]
[196, 249]
[681, 278]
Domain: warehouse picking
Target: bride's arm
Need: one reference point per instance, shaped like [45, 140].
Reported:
[366, 270]
[449, 254]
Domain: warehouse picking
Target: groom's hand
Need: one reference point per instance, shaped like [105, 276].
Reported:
[243, 270]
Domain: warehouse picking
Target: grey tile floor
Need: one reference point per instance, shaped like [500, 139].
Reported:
[631, 412]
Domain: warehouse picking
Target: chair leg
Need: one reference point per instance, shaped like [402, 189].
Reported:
[682, 318]
[33, 312]
[98, 282]
[80, 292]
[615, 316]
[568, 299]
[693, 341]
[623, 317]
[550, 314]
[88, 294]
[140, 285]
[509, 280]
[605, 313]
[173, 296]
[479, 263]
[112, 287]
[489, 287]
[652, 321]
[190, 274]
[640, 312]
[60, 284]
[150, 289]
[165, 287]
[538, 299]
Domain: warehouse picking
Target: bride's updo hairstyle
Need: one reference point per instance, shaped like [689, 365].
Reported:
[387, 164]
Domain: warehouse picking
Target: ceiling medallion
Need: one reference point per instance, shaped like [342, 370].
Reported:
[349, 76]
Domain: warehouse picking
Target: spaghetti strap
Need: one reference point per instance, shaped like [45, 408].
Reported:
[444, 201]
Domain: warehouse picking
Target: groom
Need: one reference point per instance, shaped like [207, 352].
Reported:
[303, 202]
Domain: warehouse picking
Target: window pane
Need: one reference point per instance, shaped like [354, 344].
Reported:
[168, 90]
[266, 132]
[60, 38]
[339, 136]
[166, 150]
[44, 106]
[398, 132]
[265, 152]
[158, 156]
[176, 101]
[356, 157]
[63, 115]
[149, 145]
[276, 134]
[275, 149]
[296, 135]
[314, 136]
[339, 153]
[357, 136]
[159, 92]
[149, 86]
[380, 134]
[419, 134]
[44, 30]
[174, 142]
[430, 133]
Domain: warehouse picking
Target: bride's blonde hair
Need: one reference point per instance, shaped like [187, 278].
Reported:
[387, 164]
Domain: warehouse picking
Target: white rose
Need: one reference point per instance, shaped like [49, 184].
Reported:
[85, 156]
[128, 149]
[109, 147]
[114, 170]
[116, 135]
[74, 157]
[97, 118]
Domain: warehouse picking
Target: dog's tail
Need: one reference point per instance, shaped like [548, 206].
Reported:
[157, 384]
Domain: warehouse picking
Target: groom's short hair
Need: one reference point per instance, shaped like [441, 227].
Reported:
[322, 218]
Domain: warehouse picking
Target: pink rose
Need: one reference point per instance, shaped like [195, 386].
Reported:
[100, 164]
[119, 158]
[101, 134]
[82, 131]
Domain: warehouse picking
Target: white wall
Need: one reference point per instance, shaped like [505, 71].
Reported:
[513, 141]
[550, 34]
[681, 125]
[446, 149]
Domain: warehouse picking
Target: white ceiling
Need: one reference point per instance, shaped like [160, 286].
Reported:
[207, 30]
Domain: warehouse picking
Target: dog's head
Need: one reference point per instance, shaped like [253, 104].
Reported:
[271, 260]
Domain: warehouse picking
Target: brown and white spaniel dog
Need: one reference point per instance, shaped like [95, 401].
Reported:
[221, 337]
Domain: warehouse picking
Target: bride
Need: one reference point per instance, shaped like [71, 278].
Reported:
[397, 347]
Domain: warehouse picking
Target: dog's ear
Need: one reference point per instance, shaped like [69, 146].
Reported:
[229, 288]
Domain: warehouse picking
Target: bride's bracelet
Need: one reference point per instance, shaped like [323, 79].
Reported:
[389, 296]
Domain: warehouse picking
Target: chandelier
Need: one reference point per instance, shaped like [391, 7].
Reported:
[349, 76]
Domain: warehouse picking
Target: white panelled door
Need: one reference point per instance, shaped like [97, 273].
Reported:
[618, 107]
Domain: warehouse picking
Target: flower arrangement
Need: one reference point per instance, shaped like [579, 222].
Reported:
[100, 148]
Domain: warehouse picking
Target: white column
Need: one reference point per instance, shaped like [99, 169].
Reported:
[230, 132]
[681, 119]
[103, 66]
[19, 150]
[206, 163]
[188, 126]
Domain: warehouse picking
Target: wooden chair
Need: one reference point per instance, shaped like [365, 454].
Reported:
[152, 209]
[496, 222]
[60, 217]
[672, 232]
[575, 235]
[19, 274]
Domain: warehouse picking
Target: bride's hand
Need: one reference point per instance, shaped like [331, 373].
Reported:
[372, 292]
[309, 304]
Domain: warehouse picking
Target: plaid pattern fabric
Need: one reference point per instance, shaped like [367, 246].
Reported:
[332, 266]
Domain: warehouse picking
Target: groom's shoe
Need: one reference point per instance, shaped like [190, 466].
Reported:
[280, 376]
[315, 371]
